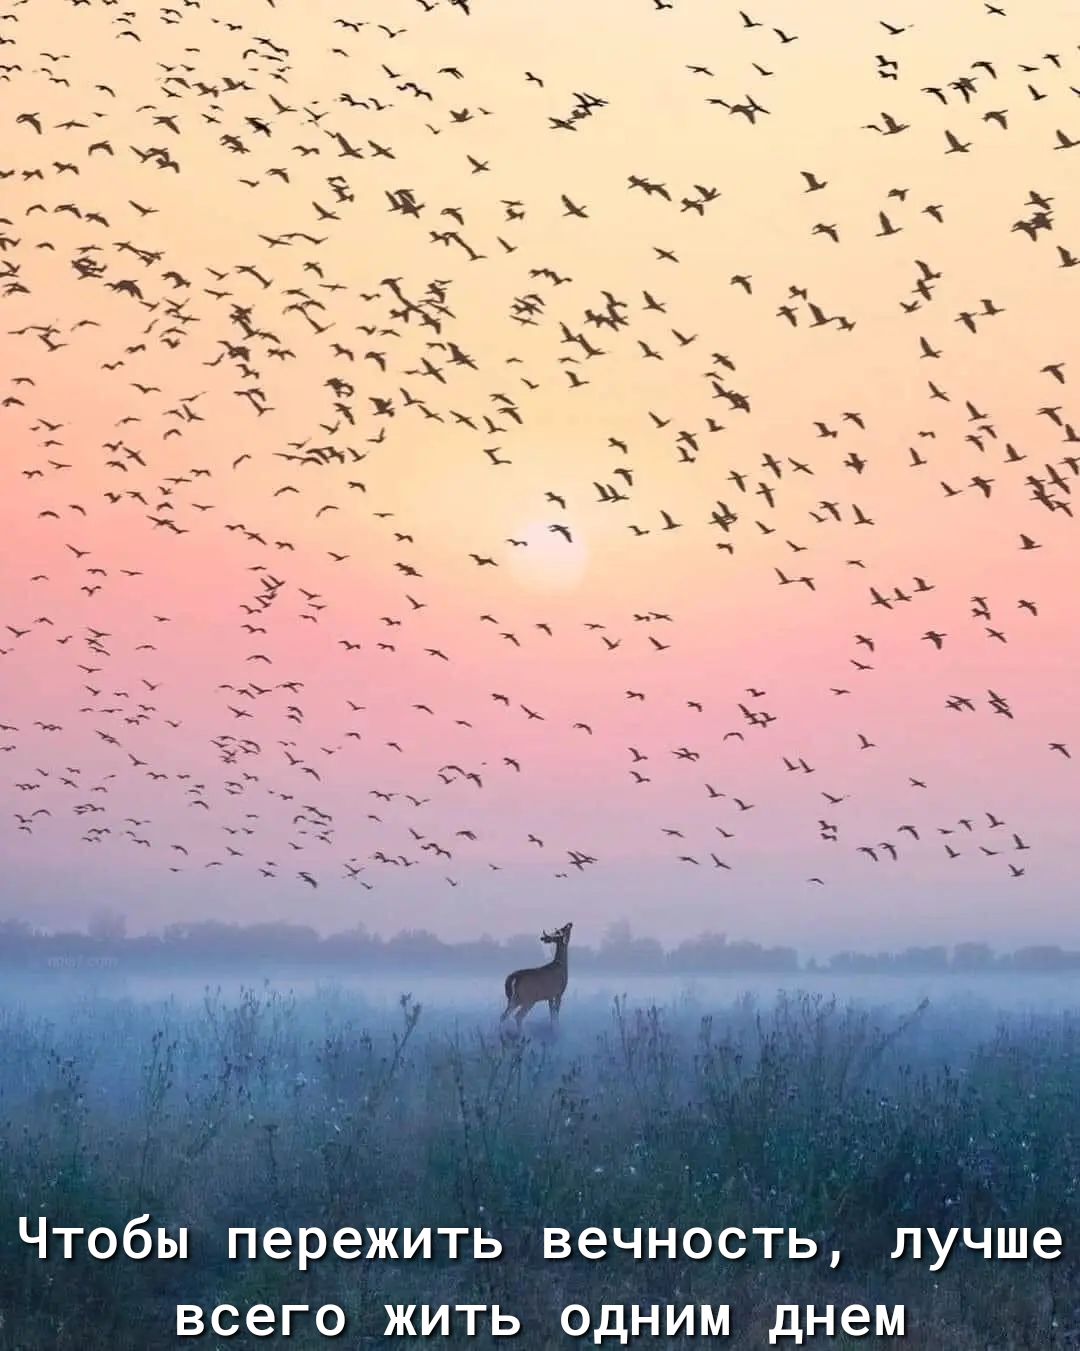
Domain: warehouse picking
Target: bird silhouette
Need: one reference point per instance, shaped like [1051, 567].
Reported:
[319, 362]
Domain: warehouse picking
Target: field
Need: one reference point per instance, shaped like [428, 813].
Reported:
[844, 1120]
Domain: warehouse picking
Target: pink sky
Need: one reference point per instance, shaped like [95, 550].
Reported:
[175, 638]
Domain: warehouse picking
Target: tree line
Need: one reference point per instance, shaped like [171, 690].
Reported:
[210, 943]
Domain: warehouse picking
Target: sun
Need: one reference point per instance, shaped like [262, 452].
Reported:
[547, 560]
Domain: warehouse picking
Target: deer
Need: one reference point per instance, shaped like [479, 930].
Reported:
[527, 987]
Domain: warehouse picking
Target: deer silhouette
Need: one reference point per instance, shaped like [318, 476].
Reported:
[528, 986]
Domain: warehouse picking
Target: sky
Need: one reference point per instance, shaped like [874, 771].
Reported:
[250, 652]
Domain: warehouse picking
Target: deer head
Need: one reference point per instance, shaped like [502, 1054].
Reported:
[558, 936]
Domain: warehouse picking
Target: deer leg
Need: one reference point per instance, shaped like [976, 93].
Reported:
[553, 1010]
[522, 1012]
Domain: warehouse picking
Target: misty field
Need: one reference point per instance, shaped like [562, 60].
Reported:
[846, 1121]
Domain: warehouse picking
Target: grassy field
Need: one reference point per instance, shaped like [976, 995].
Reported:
[846, 1122]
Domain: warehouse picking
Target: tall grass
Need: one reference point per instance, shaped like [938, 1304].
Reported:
[846, 1122]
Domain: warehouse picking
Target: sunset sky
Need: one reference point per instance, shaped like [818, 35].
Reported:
[130, 645]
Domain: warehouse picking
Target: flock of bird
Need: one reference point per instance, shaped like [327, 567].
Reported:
[433, 443]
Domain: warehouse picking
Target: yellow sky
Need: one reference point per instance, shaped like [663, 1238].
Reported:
[270, 81]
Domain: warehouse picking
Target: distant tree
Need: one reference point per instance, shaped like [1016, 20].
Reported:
[231, 945]
[618, 933]
[417, 945]
[922, 959]
[621, 951]
[107, 926]
[707, 952]
[861, 962]
[754, 957]
[972, 957]
[16, 937]
[1047, 957]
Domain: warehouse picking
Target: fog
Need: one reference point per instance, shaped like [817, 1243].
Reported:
[840, 1106]
[479, 999]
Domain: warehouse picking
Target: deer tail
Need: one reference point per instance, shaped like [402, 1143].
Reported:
[511, 985]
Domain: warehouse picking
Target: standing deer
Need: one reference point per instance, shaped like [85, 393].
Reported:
[527, 987]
